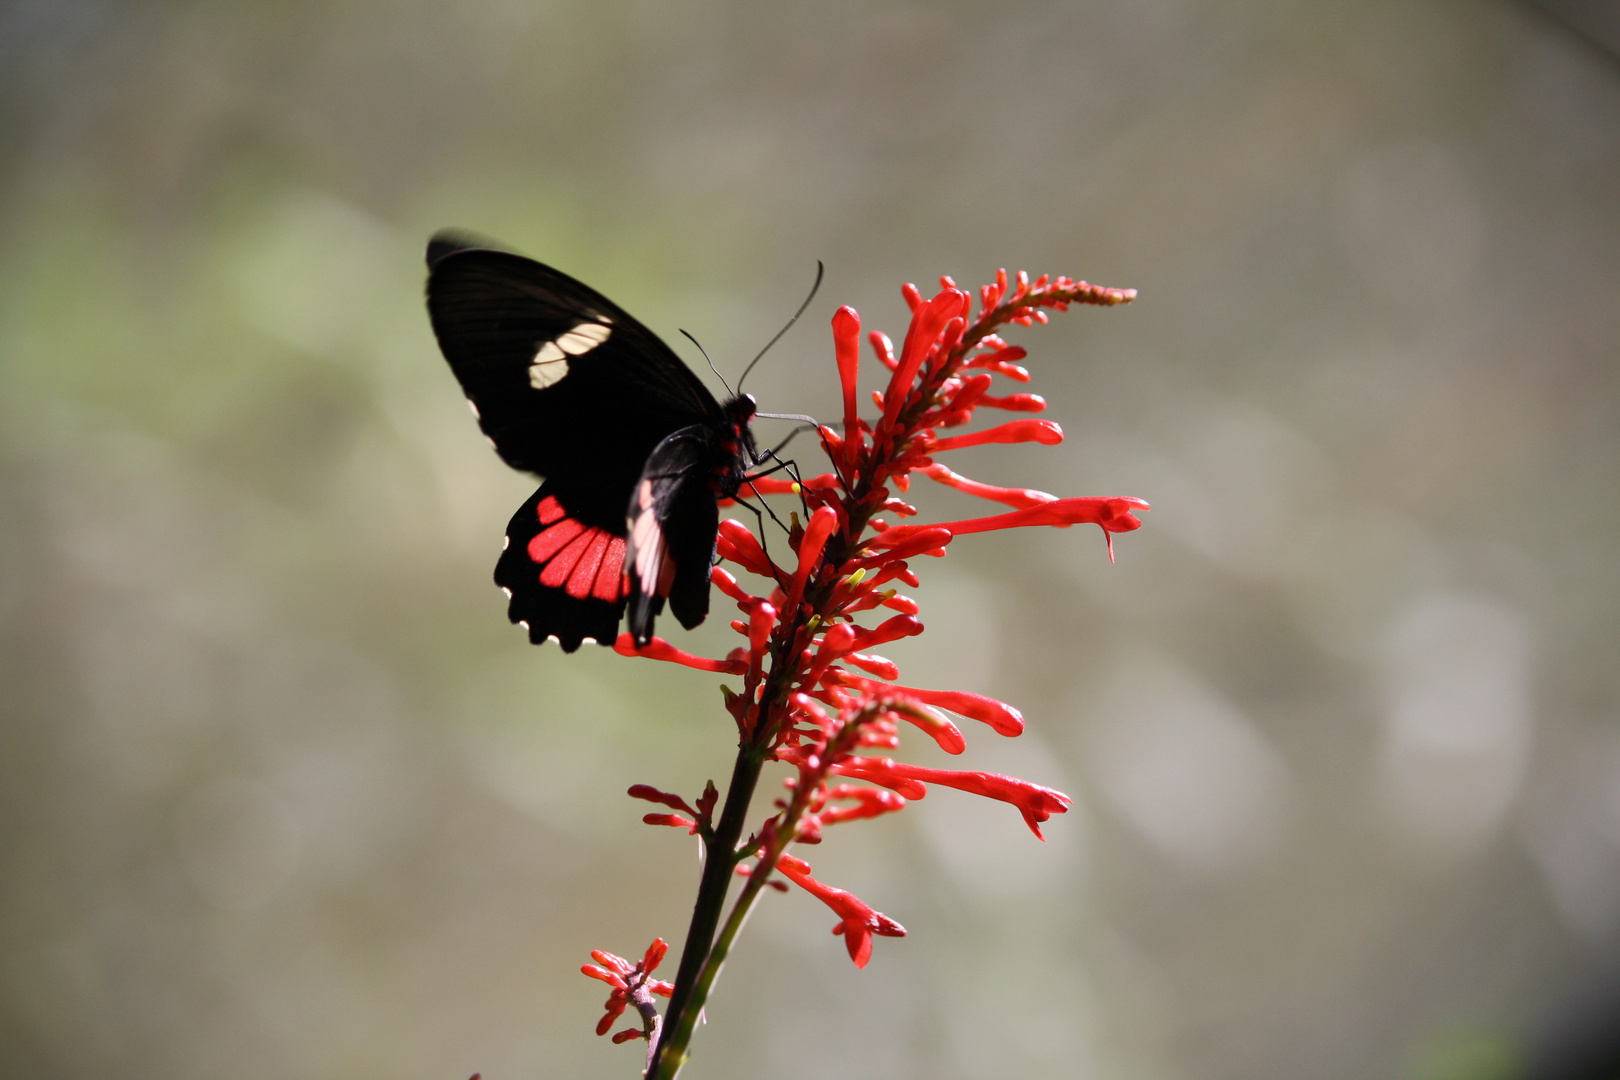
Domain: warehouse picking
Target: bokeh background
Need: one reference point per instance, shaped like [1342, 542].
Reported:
[283, 795]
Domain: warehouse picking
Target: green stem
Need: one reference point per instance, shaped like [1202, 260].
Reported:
[718, 867]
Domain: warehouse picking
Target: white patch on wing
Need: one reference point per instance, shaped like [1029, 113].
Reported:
[583, 338]
[471, 404]
[550, 361]
[507, 591]
[648, 541]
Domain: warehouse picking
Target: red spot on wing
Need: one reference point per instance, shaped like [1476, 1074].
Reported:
[550, 510]
[557, 570]
[610, 578]
[551, 541]
[584, 573]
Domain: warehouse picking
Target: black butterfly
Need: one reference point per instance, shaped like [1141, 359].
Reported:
[634, 450]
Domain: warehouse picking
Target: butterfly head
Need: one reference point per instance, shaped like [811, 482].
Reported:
[739, 435]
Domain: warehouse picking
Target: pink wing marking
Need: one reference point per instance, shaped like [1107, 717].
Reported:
[548, 543]
[579, 582]
[557, 570]
[610, 579]
[550, 510]
[650, 557]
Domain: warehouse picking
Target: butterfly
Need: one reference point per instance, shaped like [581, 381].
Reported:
[634, 450]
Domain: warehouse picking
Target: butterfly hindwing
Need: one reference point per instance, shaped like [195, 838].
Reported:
[563, 568]
[673, 520]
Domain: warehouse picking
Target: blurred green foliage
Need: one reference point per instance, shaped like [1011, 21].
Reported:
[285, 796]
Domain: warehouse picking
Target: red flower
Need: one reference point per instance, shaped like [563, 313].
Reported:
[857, 921]
[804, 626]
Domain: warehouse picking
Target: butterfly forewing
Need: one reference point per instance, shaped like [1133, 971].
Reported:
[556, 371]
[562, 571]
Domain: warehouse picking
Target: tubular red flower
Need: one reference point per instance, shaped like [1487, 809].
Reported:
[768, 485]
[904, 541]
[760, 623]
[1016, 403]
[611, 978]
[1013, 431]
[927, 324]
[880, 666]
[858, 920]
[728, 585]
[846, 325]
[869, 802]
[999, 715]
[880, 771]
[659, 649]
[737, 544]
[1035, 802]
[1022, 498]
[821, 526]
[1113, 513]
[678, 821]
[651, 794]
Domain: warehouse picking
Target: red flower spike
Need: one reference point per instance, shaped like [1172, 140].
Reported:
[801, 702]
[1013, 431]
[659, 649]
[654, 955]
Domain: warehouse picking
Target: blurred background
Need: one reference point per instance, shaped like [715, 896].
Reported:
[285, 796]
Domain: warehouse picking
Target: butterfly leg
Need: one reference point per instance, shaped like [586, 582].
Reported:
[791, 467]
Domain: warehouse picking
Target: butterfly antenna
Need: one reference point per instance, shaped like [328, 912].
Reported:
[819, 271]
[712, 368]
